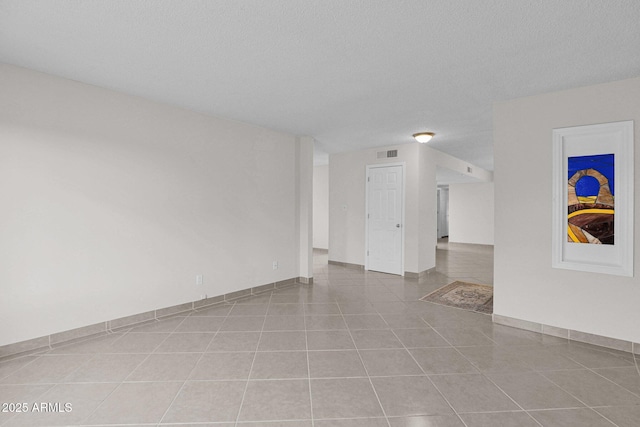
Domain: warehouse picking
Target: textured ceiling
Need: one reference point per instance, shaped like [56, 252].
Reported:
[352, 74]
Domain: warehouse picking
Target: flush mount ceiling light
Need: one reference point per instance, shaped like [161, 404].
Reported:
[423, 137]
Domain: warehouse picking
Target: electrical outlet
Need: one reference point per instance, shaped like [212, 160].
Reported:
[199, 279]
[275, 265]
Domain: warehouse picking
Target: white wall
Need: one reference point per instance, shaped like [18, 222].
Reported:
[347, 173]
[526, 287]
[321, 207]
[471, 213]
[470, 171]
[304, 197]
[347, 201]
[112, 204]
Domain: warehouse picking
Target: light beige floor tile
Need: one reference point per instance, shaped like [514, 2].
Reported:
[242, 324]
[287, 340]
[463, 336]
[89, 346]
[622, 416]
[357, 308]
[28, 394]
[135, 403]
[356, 422]
[137, 343]
[280, 298]
[494, 359]
[275, 424]
[285, 309]
[165, 367]
[234, 341]
[592, 389]
[11, 366]
[533, 391]
[331, 364]
[403, 396]
[215, 310]
[47, 369]
[206, 401]
[381, 311]
[439, 316]
[249, 310]
[263, 298]
[200, 324]
[499, 419]
[19, 394]
[627, 377]
[406, 321]
[106, 368]
[321, 309]
[284, 323]
[185, 342]
[325, 322]
[570, 417]
[280, 365]
[365, 321]
[390, 307]
[223, 366]
[428, 420]
[374, 297]
[504, 335]
[166, 325]
[426, 337]
[543, 359]
[268, 400]
[64, 404]
[372, 339]
[442, 360]
[389, 362]
[344, 398]
[329, 340]
[472, 393]
[594, 357]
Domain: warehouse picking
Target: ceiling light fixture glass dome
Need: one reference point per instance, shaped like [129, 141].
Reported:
[423, 137]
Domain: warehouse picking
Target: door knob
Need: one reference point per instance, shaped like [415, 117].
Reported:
[397, 225]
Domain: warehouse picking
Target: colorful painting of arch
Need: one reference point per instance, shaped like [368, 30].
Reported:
[591, 199]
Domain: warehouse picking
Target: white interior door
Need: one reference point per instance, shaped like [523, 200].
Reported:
[385, 192]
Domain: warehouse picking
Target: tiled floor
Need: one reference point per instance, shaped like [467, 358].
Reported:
[355, 349]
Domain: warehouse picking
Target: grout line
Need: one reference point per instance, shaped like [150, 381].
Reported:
[331, 292]
[246, 387]
[192, 369]
[427, 375]
[306, 342]
[594, 370]
[365, 367]
[485, 376]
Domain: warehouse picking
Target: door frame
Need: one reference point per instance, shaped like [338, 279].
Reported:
[366, 210]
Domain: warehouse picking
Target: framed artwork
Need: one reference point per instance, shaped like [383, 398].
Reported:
[592, 224]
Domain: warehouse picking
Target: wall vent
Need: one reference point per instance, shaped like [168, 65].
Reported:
[387, 154]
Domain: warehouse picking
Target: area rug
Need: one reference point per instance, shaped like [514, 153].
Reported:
[467, 296]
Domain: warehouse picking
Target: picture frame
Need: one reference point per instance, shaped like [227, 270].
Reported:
[592, 222]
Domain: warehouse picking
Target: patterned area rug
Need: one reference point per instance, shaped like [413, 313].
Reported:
[467, 296]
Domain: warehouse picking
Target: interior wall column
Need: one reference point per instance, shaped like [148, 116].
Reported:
[304, 195]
